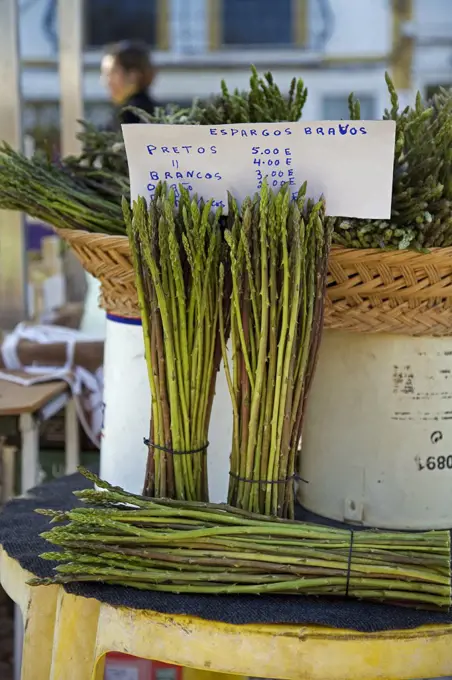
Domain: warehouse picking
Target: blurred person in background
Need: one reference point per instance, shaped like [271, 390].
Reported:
[128, 74]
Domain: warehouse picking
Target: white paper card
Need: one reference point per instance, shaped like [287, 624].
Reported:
[349, 162]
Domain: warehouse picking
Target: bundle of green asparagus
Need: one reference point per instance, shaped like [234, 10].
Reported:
[177, 254]
[82, 192]
[182, 547]
[264, 103]
[279, 255]
[422, 186]
[61, 194]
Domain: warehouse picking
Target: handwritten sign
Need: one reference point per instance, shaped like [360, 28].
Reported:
[349, 162]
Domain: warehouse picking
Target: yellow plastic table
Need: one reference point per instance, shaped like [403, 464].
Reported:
[67, 637]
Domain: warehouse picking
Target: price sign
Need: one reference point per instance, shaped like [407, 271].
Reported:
[349, 162]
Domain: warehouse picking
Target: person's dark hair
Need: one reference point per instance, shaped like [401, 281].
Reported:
[133, 56]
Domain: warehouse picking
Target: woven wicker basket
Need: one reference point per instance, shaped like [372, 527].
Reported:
[375, 291]
[369, 291]
[107, 258]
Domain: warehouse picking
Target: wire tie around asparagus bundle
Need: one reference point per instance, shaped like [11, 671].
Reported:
[292, 478]
[349, 563]
[200, 449]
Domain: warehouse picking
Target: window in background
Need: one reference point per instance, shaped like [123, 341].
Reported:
[335, 107]
[188, 26]
[109, 21]
[258, 23]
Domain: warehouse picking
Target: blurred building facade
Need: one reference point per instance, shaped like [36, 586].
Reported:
[336, 46]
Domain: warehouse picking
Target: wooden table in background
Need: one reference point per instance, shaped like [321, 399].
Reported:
[32, 405]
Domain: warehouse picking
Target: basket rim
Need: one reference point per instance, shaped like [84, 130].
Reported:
[337, 251]
[82, 237]
[371, 254]
[352, 303]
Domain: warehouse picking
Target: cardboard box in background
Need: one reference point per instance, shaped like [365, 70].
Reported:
[88, 355]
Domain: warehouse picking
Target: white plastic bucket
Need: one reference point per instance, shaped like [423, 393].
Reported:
[93, 321]
[127, 405]
[377, 440]
[127, 409]
[220, 440]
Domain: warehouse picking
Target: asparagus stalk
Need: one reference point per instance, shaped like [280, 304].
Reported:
[177, 254]
[288, 262]
[194, 547]
[421, 182]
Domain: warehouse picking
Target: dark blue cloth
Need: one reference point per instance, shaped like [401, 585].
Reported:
[20, 527]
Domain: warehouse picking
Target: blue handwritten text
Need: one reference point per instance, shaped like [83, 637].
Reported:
[233, 132]
[187, 174]
[186, 149]
[346, 129]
